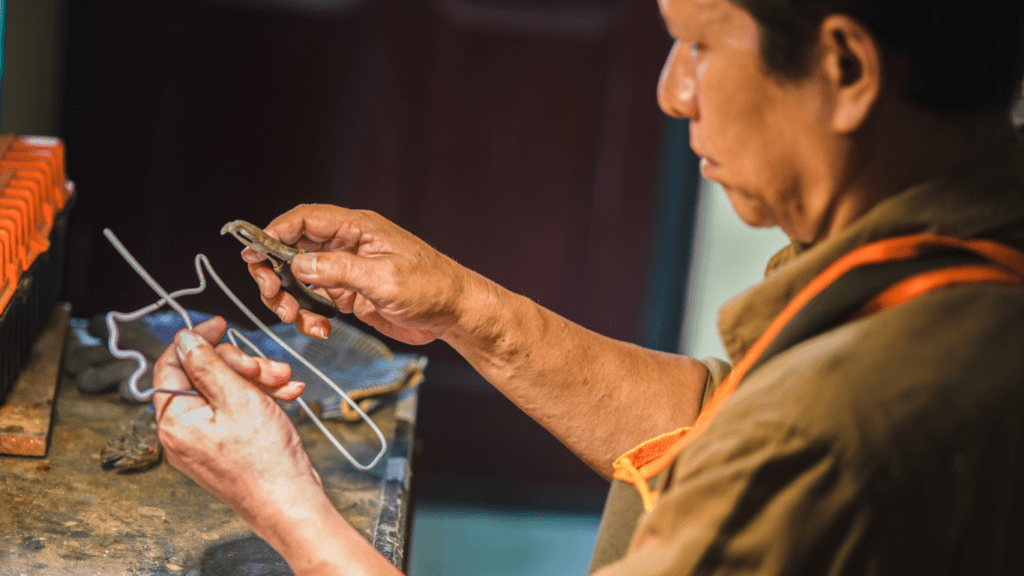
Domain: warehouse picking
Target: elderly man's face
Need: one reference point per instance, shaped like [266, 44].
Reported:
[757, 135]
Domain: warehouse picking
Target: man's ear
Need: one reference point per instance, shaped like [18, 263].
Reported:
[852, 62]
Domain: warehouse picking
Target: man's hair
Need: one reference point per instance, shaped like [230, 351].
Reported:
[961, 56]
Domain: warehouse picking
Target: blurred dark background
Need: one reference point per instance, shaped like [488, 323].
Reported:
[521, 137]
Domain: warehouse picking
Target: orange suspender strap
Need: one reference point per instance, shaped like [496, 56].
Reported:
[933, 280]
[1001, 265]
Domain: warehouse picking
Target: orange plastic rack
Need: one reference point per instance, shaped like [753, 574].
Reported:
[34, 200]
[33, 190]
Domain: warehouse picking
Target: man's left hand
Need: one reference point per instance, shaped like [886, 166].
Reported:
[234, 439]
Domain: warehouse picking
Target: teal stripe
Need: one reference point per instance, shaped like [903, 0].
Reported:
[3, 44]
[678, 183]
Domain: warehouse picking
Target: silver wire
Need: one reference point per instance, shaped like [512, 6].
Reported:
[202, 261]
[165, 298]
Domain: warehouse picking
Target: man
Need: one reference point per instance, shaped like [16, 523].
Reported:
[885, 441]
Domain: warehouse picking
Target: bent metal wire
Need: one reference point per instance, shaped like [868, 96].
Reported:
[234, 336]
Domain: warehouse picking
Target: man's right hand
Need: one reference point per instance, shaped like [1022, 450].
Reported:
[368, 266]
[579, 385]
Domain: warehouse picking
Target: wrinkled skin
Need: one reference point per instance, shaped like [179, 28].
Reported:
[235, 425]
[410, 292]
[237, 442]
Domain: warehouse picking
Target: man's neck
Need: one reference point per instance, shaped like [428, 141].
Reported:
[905, 146]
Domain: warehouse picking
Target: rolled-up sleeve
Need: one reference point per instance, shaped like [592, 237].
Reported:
[717, 372]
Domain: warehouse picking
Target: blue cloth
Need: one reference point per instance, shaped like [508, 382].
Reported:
[358, 363]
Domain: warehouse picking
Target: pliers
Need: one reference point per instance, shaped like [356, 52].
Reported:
[280, 256]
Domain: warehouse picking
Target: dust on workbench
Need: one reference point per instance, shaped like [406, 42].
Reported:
[64, 514]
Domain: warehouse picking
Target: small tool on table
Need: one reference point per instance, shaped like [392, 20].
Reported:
[280, 256]
[136, 447]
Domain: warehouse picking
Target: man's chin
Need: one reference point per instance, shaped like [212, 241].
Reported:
[750, 209]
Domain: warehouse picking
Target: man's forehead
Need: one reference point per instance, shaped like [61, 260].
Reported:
[693, 5]
[684, 15]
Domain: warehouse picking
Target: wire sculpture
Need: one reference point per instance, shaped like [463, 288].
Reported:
[233, 335]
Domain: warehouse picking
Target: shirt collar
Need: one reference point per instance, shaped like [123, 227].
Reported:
[985, 199]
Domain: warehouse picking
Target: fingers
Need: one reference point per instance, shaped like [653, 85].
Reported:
[212, 330]
[312, 325]
[281, 303]
[287, 309]
[285, 305]
[192, 362]
[268, 282]
[271, 376]
[354, 282]
[278, 301]
[328, 227]
[169, 374]
[334, 270]
[287, 393]
[317, 229]
[346, 302]
[251, 256]
[252, 367]
[209, 373]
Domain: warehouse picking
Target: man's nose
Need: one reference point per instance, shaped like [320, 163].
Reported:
[677, 86]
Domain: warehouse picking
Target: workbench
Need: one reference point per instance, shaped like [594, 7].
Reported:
[63, 514]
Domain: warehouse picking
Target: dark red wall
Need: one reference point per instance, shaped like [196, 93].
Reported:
[517, 136]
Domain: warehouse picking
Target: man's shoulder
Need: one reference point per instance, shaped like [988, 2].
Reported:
[926, 372]
[899, 432]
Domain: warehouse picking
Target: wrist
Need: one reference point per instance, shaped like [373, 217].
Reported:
[316, 540]
[498, 332]
[282, 517]
[304, 534]
[480, 315]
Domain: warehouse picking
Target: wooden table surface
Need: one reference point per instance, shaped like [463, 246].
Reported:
[63, 514]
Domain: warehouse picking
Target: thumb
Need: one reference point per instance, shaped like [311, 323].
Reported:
[207, 371]
[332, 270]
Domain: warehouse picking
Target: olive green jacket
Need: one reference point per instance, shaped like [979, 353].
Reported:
[892, 444]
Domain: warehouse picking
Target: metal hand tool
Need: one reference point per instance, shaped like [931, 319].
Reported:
[280, 256]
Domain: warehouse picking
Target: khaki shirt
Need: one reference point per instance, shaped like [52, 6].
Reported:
[892, 444]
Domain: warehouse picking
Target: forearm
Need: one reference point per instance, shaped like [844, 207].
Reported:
[597, 395]
[316, 540]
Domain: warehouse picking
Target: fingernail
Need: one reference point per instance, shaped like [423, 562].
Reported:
[280, 311]
[304, 263]
[261, 283]
[186, 341]
[318, 332]
[251, 256]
